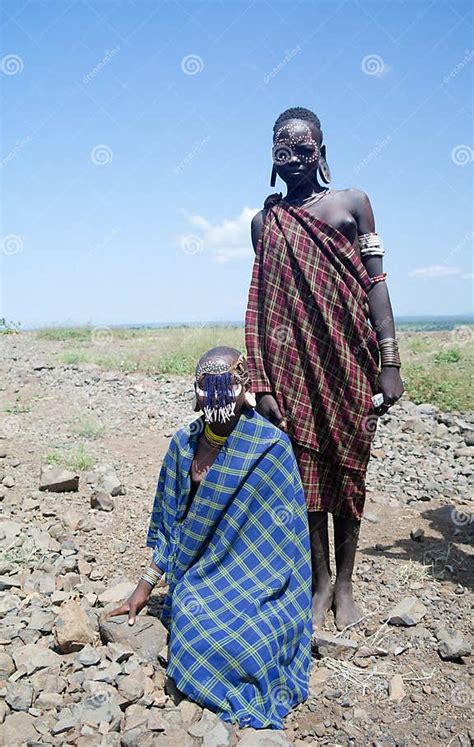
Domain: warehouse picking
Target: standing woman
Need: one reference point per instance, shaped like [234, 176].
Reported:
[315, 361]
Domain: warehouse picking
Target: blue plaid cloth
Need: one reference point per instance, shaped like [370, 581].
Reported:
[238, 605]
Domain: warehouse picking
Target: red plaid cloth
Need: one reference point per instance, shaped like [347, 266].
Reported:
[308, 337]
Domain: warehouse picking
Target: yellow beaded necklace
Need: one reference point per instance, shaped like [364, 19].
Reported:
[212, 438]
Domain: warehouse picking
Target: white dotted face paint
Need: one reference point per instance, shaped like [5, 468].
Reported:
[292, 139]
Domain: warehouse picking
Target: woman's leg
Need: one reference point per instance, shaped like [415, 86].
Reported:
[346, 536]
[322, 587]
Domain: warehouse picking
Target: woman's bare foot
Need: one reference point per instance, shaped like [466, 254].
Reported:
[322, 602]
[346, 611]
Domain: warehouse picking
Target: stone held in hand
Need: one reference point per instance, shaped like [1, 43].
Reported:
[146, 637]
[58, 480]
[409, 611]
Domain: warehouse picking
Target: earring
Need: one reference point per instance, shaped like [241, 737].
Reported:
[249, 399]
[273, 176]
[323, 170]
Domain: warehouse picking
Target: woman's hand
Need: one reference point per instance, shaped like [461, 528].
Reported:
[135, 603]
[390, 384]
[268, 407]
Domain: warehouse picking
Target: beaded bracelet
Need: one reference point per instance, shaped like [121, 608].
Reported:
[151, 576]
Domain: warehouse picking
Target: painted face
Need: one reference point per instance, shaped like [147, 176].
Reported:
[219, 392]
[295, 148]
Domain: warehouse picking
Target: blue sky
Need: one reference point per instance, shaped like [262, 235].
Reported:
[136, 146]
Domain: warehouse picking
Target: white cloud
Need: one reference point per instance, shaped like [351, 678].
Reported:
[435, 271]
[228, 240]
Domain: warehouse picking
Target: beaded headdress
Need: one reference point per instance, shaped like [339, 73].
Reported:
[215, 381]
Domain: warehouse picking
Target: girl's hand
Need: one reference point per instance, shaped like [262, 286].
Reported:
[135, 603]
[390, 384]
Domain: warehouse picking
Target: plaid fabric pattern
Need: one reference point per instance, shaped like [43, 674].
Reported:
[330, 487]
[308, 337]
[238, 566]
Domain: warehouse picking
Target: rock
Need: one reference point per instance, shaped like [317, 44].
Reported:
[8, 482]
[72, 519]
[42, 620]
[98, 708]
[117, 593]
[213, 731]
[73, 629]
[19, 696]
[58, 480]
[9, 602]
[146, 637]
[89, 656]
[118, 652]
[49, 700]
[464, 451]
[155, 721]
[417, 534]
[452, 646]
[33, 656]
[409, 611]
[469, 439]
[396, 688]
[263, 738]
[18, 729]
[6, 665]
[189, 711]
[105, 478]
[102, 501]
[132, 686]
[336, 647]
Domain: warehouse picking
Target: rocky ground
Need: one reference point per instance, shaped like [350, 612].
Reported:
[69, 677]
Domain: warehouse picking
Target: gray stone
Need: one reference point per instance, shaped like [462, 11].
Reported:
[9, 602]
[58, 480]
[146, 637]
[33, 656]
[333, 646]
[101, 501]
[19, 696]
[6, 665]
[452, 646]
[42, 620]
[103, 706]
[9, 582]
[89, 656]
[18, 729]
[213, 731]
[262, 738]
[117, 593]
[409, 611]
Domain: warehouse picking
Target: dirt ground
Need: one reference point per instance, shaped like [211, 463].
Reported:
[416, 537]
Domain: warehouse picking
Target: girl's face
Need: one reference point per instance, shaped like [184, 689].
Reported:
[219, 405]
[296, 150]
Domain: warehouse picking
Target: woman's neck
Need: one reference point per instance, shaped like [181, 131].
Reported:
[302, 191]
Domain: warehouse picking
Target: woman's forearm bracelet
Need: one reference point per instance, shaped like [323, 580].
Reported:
[151, 576]
[389, 353]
